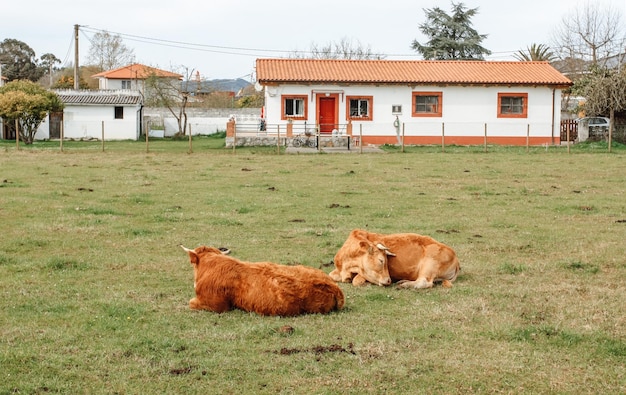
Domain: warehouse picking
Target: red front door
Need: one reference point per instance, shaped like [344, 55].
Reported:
[326, 107]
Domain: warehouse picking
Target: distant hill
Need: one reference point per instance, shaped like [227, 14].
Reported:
[218, 85]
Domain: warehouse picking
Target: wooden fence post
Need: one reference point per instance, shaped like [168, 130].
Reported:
[568, 136]
[17, 134]
[527, 137]
[62, 136]
[278, 139]
[485, 138]
[102, 136]
[190, 147]
[360, 138]
[443, 137]
[403, 124]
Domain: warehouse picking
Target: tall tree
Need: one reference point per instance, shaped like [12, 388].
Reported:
[536, 52]
[590, 33]
[18, 61]
[108, 51]
[27, 103]
[344, 49]
[451, 37]
[48, 61]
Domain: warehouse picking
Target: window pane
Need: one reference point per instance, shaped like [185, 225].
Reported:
[426, 104]
[364, 110]
[512, 105]
[294, 107]
[354, 108]
[359, 108]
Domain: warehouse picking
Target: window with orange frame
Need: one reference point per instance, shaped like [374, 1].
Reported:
[294, 107]
[427, 104]
[359, 108]
[512, 105]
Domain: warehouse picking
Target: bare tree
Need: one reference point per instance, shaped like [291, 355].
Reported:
[344, 49]
[590, 33]
[605, 92]
[172, 94]
[108, 52]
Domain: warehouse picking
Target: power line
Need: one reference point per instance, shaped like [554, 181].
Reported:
[259, 52]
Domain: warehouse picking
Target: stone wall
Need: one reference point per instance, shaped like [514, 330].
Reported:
[261, 140]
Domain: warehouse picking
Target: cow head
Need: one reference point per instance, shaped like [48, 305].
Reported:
[198, 253]
[194, 255]
[372, 262]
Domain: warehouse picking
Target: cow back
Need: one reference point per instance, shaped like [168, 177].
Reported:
[417, 254]
[267, 288]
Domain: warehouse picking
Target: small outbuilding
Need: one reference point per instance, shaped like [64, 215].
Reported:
[418, 102]
[114, 115]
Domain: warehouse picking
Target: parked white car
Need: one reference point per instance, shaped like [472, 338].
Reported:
[597, 126]
[595, 122]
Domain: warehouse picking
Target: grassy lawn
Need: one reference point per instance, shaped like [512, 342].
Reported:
[95, 290]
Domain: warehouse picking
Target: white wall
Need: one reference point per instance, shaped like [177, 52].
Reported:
[465, 111]
[86, 122]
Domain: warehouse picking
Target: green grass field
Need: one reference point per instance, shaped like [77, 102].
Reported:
[95, 290]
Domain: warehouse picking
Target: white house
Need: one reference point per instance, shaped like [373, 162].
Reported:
[133, 77]
[462, 102]
[91, 114]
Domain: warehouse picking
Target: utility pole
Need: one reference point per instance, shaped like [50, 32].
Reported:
[76, 84]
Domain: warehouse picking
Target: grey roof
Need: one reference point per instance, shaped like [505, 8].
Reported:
[101, 97]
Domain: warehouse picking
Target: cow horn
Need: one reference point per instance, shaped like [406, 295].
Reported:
[382, 247]
[185, 248]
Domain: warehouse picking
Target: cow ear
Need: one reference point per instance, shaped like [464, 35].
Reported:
[365, 245]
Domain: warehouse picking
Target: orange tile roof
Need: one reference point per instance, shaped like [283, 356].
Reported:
[425, 72]
[136, 71]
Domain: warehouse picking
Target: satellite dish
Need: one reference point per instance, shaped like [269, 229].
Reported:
[258, 87]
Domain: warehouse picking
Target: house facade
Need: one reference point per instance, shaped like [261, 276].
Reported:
[114, 115]
[418, 102]
[132, 77]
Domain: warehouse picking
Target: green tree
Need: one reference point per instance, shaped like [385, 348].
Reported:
[536, 52]
[29, 104]
[18, 61]
[451, 37]
[48, 61]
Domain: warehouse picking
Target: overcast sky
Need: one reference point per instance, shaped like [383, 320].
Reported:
[222, 38]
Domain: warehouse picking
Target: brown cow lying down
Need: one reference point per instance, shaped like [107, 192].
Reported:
[223, 283]
[411, 260]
